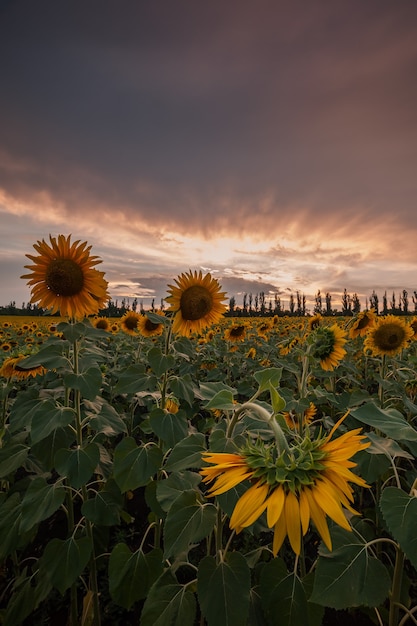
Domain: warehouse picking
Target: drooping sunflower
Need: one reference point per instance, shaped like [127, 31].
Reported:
[328, 346]
[63, 278]
[12, 368]
[388, 336]
[310, 482]
[129, 323]
[236, 332]
[362, 323]
[148, 328]
[295, 420]
[196, 301]
[315, 321]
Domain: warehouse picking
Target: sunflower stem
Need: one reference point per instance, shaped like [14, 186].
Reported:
[396, 588]
[88, 526]
[281, 441]
[382, 371]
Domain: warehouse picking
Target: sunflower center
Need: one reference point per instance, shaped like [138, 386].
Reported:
[150, 325]
[64, 277]
[363, 323]
[237, 331]
[195, 303]
[131, 323]
[389, 337]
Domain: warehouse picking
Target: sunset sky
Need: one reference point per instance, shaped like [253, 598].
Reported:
[270, 142]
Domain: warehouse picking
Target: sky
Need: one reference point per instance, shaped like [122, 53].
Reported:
[272, 143]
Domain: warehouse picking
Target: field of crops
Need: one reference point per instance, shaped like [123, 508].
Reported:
[154, 478]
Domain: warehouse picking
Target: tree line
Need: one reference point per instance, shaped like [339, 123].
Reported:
[258, 305]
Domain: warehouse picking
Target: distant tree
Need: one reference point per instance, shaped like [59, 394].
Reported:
[277, 303]
[393, 303]
[415, 301]
[404, 300]
[356, 305]
[346, 304]
[262, 306]
[232, 304]
[245, 303]
[292, 303]
[328, 304]
[318, 307]
[384, 304]
[374, 302]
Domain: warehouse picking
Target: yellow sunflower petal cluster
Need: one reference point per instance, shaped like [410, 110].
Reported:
[129, 323]
[389, 335]
[63, 278]
[196, 302]
[314, 484]
[237, 332]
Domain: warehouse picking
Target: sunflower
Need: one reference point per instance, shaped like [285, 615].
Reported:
[129, 323]
[293, 420]
[362, 323]
[196, 301]
[328, 346]
[147, 328]
[235, 333]
[102, 323]
[413, 325]
[251, 353]
[63, 278]
[315, 321]
[11, 368]
[6, 347]
[171, 406]
[310, 482]
[388, 336]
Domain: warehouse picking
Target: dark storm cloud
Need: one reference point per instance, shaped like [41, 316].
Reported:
[203, 117]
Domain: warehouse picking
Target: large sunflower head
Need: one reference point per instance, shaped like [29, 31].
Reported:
[328, 346]
[388, 336]
[310, 482]
[362, 323]
[63, 278]
[196, 301]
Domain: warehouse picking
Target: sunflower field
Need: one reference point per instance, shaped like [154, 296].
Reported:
[183, 468]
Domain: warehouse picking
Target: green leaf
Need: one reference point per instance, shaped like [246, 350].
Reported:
[169, 427]
[10, 516]
[187, 453]
[45, 449]
[349, 575]
[222, 400]
[40, 501]
[132, 574]
[134, 379]
[133, 465]
[283, 594]
[77, 464]
[88, 383]
[388, 421]
[64, 560]
[182, 387]
[207, 391]
[12, 456]
[187, 522]
[104, 509]
[105, 419]
[268, 377]
[278, 403]
[224, 590]
[49, 355]
[160, 363]
[169, 604]
[400, 513]
[47, 417]
[169, 489]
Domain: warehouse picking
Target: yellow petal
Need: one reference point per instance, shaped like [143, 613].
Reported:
[326, 501]
[280, 532]
[249, 507]
[229, 479]
[304, 512]
[319, 519]
[292, 519]
[275, 505]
